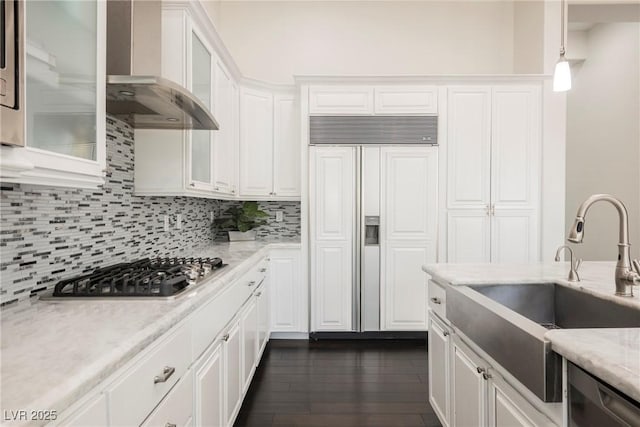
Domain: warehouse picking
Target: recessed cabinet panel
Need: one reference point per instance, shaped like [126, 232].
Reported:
[286, 289]
[332, 275]
[406, 100]
[256, 143]
[333, 204]
[233, 371]
[224, 142]
[249, 326]
[469, 147]
[469, 397]
[468, 236]
[286, 143]
[209, 389]
[514, 237]
[404, 285]
[409, 192]
[439, 357]
[341, 100]
[515, 147]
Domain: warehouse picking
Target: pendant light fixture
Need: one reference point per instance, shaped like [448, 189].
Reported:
[562, 73]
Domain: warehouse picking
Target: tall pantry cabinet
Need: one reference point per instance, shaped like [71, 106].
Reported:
[492, 180]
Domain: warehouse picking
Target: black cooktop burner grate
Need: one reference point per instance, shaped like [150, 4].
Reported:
[146, 277]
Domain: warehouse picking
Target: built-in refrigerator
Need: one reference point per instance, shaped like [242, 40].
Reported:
[373, 222]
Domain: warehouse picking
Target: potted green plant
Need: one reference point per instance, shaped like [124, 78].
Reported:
[240, 221]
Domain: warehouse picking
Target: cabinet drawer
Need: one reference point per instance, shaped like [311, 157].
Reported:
[210, 319]
[406, 100]
[149, 380]
[437, 299]
[341, 100]
[177, 408]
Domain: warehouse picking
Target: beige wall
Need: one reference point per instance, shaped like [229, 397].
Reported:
[528, 24]
[603, 136]
[273, 41]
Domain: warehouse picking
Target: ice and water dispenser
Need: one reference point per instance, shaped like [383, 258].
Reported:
[371, 229]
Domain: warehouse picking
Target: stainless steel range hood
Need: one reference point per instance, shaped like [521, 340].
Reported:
[136, 92]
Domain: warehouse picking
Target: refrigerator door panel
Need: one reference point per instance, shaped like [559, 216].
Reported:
[371, 288]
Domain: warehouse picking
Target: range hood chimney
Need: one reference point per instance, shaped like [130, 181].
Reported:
[135, 91]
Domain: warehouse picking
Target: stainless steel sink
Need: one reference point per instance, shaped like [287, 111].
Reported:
[509, 322]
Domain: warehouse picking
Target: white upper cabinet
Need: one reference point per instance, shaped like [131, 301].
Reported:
[269, 145]
[64, 103]
[256, 142]
[493, 174]
[286, 147]
[406, 100]
[225, 140]
[365, 100]
[201, 141]
[328, 100]
[468, 147]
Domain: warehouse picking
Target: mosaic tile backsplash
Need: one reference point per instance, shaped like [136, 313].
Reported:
[48, 234]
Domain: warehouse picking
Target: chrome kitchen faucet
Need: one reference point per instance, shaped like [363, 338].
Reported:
[627, 271]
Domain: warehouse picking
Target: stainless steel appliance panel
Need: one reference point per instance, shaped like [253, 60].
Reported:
[12, 73]
[592, 403]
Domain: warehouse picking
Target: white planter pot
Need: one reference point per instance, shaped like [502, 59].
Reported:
[239, 236]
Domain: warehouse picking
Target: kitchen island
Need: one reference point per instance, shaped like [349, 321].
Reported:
[611, 354]
[56, 352]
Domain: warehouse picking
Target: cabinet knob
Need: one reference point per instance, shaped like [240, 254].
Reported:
[480, 370]
[258, 294]
[274, 193]
[251, 283]
[436, 300]
[193, 184]
[217, 188]
[445, 333]
[486, 376]
[225, 337]
[262, 270]
[166, 374]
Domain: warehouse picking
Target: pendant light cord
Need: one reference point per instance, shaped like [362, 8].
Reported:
[562, 50]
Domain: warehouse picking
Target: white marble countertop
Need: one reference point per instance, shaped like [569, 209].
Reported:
[54, 352]
[610, 354]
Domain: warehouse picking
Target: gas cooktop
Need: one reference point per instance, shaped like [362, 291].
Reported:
[156, 277]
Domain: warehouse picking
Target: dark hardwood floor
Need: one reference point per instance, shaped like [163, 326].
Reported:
[340, 383]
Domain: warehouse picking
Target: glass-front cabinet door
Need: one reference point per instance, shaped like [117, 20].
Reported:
[64, 94]
[200, 150]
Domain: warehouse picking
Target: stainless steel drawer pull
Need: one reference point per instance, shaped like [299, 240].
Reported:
[480, 370]
[166, 373]
[170, 425]
[252, 283]
[225, 337]
[258, 294]
[262, 270]
[436, 300]
[445, 333]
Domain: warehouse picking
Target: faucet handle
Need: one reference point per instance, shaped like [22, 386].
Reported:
[573, 271]
[635, 266]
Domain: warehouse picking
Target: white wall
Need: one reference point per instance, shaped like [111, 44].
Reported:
[273, 41]
[603, 136]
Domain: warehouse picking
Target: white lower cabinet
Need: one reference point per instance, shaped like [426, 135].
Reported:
[465, 390]
[93, 413]
[249, 328]
[439, 358]
[507, 408]
[209, 388]
[176, 409]
[288, 295]
[233, 369]
[469, 387]
[264, 329]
